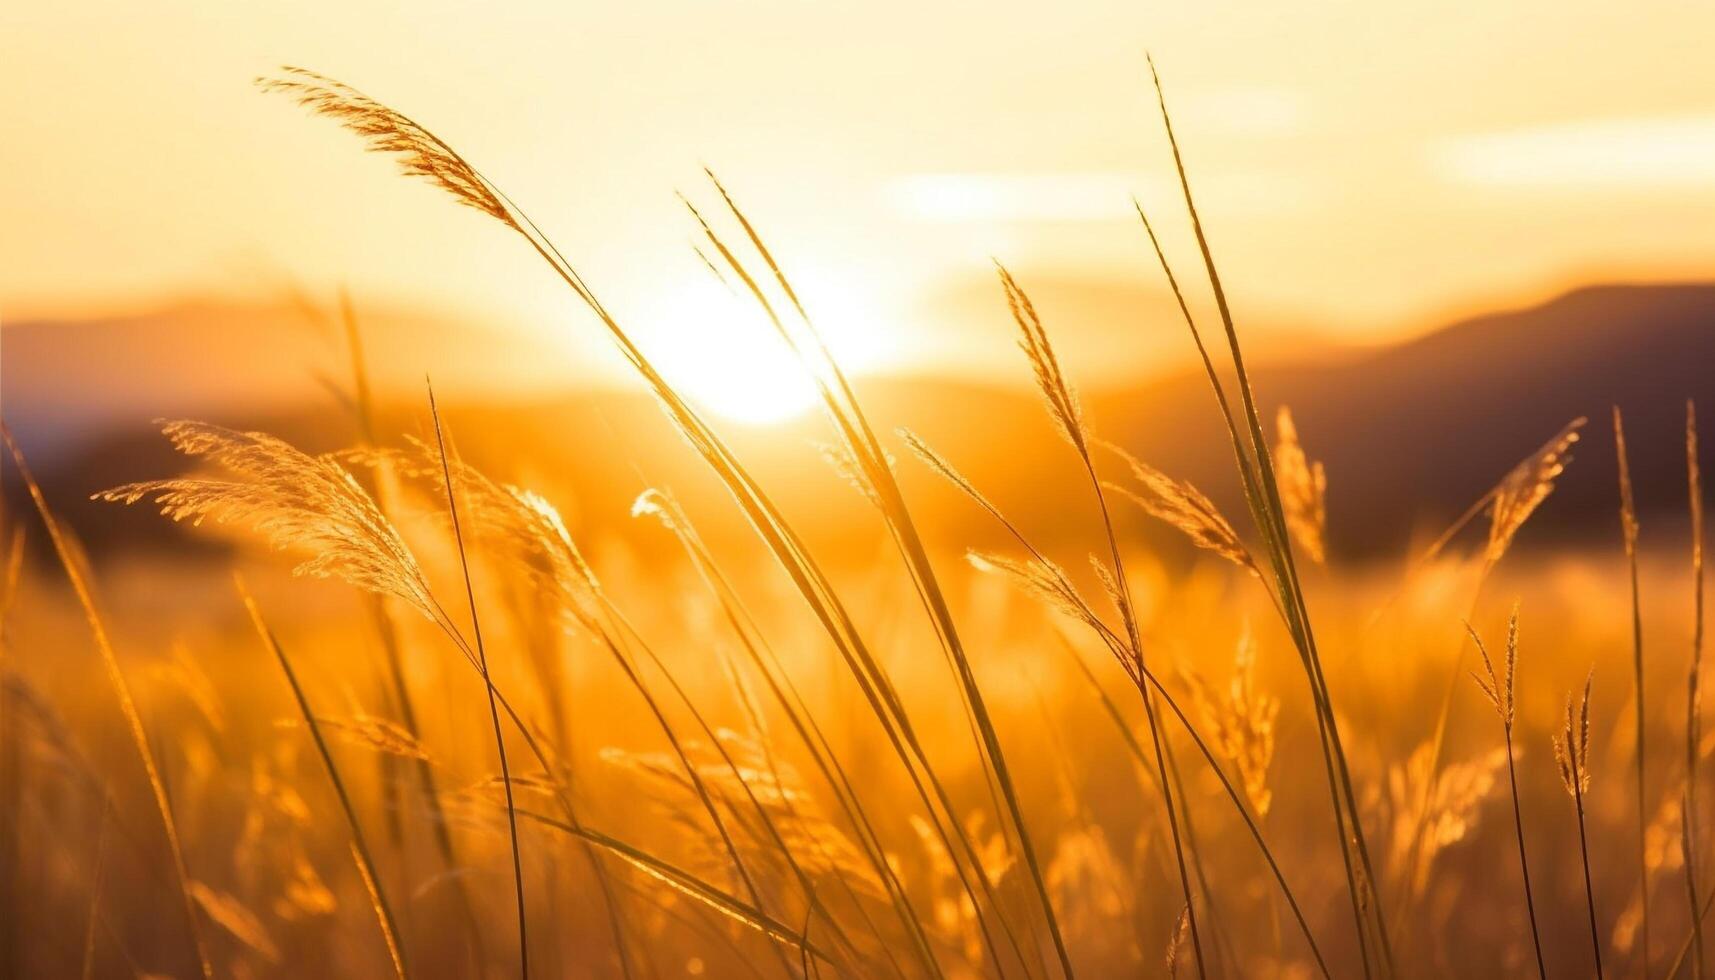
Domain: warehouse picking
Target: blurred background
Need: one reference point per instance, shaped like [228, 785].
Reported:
[1476, 205]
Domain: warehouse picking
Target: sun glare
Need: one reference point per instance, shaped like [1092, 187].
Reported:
[728, 359]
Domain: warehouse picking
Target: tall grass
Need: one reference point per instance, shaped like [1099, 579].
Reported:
[1629, 531]
[422, 154]
[1572, 754]
[73, 567]
[1502, 693]
[1693, 703]
[771, 830]
[1263, 498]
[360, 848]
[488, 685]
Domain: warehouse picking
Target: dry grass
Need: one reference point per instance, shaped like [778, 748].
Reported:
[689, 760]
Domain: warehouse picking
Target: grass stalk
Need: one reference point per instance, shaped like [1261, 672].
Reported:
[614, 642]
[1280, 597]
[766, 819]
[1554, 449]
[392, 646]
[1502, 694]
[1693, 703]
[798, 714]
[95, 892]
[1629, 530]
[360, 847]
[861, 441]
[1287, 571]
[1137, 673]
[1708, 901]
[1572, 754]
[1523, 861]
[1232, 791]
[488, 683]
[807, 577]
[122, 692]
[1589, 891]
[689, 885]
[1063, 408]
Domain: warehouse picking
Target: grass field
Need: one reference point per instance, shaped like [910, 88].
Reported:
[467, 737]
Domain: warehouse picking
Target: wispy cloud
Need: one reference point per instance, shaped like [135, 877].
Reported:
[1664, 153]
[1078, 196]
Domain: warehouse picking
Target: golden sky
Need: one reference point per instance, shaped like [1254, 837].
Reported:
[1365, 167]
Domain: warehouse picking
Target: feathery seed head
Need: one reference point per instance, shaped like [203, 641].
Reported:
[1499, 690]
[418, 152]
[1303, 489]
[1572, 743]
[1033, 340]
[1524, 489]
[295, 501]
[1185, 507]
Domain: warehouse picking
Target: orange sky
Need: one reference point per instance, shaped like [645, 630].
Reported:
[1364, 167]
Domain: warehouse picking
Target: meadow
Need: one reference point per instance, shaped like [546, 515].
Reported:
[414, 721]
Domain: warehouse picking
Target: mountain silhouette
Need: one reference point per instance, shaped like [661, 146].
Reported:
[1410, 434]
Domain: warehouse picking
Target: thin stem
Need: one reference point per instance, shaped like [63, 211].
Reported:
[1693, 705]
[1232, 791]
[95, 890]
[1256, 502]
[493, 708]
[1685, 947]
[1524, 862]
[848, 415]
[1589, 890]
[360, 848]
[391, 646]
[1629, 530]
[1128, 613]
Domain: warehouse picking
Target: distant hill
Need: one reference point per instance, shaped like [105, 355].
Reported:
[1410, 433]
[64, 381]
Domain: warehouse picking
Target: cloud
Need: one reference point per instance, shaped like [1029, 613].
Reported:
[1078, 196]
[1668, 153]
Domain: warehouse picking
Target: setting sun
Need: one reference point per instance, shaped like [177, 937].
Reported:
[727, 357]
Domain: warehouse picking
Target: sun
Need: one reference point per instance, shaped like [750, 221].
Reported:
[728, 359]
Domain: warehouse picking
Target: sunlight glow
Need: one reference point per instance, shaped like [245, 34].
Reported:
[1664, 153]
[726, 357]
